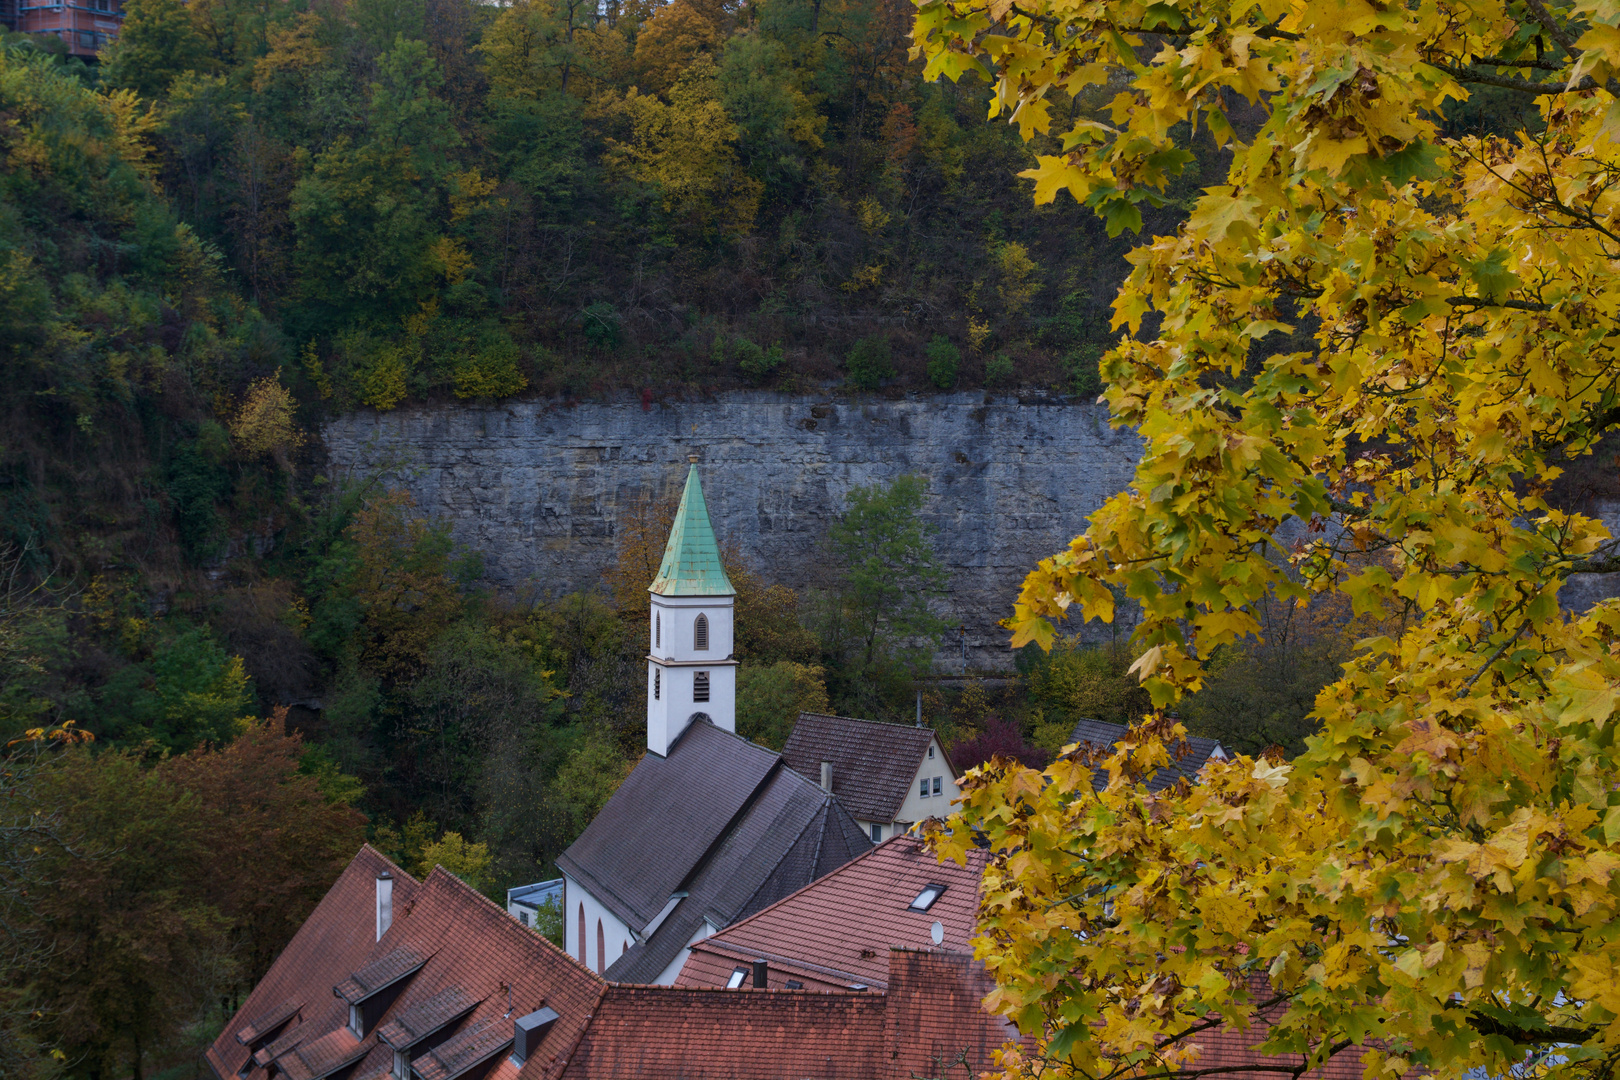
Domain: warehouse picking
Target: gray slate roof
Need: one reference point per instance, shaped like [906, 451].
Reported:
[873, 762]
[1103, 735]
[719, 818]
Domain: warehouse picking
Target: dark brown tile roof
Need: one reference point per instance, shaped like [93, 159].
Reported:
[260, 1026]
[338, 937]
[286, 1041]
[412, 1025]
[323, 1056]
[472, 1046]
[840, 928]
[667, 1033]
[873, 762]
[664, 820]
[379, 974]
[791, 833]
[1103, 736]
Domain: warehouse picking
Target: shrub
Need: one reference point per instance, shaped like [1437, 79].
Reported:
[770, 699]
[999, 737]
[601, 326]
[943, 359]
[755, 362]
[492, 371]
[870, 362]
[999, 370]
[382, 378]
[1085, 374]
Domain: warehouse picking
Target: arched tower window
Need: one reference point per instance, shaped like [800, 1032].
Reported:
[658, 630]
[658, 683]
[582, 932]
[700, 634]
[601, 947]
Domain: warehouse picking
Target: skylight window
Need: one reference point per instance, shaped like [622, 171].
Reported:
[737, 978]
[926, 898]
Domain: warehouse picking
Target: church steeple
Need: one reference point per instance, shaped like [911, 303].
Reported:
[690, 670]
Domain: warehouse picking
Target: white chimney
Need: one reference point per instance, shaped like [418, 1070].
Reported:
[385, 903]
[826, 776]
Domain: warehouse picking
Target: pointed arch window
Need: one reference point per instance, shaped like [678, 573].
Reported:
[601, 947]
[582, 933]
[658, 683]
[700, 634]
[658, 630]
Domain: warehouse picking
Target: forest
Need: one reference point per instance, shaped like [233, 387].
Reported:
[216, 657]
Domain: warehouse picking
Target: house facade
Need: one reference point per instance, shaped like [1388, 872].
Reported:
[889, 776]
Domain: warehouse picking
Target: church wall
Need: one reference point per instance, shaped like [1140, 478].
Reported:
[540, 487]
[616, 934]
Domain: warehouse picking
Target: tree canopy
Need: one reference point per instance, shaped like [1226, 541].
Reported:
[1400, 336]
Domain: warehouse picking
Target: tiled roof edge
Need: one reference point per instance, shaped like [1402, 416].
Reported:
[611, 900]
[825, 877]
[863, 720]
[782, 963]
[501, 912]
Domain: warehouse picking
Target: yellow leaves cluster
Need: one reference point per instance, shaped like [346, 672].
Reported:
[266, 423]
[1432, 884]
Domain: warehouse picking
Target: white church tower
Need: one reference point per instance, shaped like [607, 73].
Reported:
[690, 670]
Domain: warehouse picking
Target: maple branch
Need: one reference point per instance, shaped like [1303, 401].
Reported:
[1532, 87]
[1497, 655]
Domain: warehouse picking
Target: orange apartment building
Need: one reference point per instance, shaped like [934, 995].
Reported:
[85, 26]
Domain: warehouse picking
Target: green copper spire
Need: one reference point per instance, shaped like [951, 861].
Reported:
[691, 565]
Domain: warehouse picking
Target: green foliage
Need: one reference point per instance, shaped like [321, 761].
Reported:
[943, 360]
[492, 371]
[188, 691]
[770, 699]
[869, 362]
[469, 862]
[600, 324]
[998, 370]
[1085, 376]
[339, 788]
[589, 777]
[548, 921]
[756, 363]
[158, 43]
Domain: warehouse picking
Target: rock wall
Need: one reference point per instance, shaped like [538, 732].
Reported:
[538, 486]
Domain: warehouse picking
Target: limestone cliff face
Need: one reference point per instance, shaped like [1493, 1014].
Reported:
[538, 486]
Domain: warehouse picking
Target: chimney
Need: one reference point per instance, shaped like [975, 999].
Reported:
[762, 975]
[826, 776]
[385, 903]
[527, 1031]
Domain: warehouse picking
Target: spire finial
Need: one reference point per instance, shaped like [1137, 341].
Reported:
[692, 458]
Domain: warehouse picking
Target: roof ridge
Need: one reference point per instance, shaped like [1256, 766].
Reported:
[863, 720]
[546, 942]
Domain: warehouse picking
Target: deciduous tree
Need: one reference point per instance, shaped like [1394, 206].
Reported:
[1430, 886]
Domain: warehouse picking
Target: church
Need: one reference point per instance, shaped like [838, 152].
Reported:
[709, 828]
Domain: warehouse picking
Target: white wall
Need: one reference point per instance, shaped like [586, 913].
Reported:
[615, 933]
[668, 976]
[916, 808]
[678, 616]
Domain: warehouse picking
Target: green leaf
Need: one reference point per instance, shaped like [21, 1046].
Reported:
[1492, 276]
[1121, 215]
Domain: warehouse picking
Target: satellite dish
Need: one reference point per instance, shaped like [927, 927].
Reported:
[937, 932]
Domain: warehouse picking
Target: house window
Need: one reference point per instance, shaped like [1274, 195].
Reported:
[700, 634]
[926, 898]
[936, 785]
[658, 630]
[658, 683]
[930, 751]
[795, 984]
[922, 788]
[523, 917]
[877, 834]
[700, 686]
[737, 978]
[402, 1066]
[355, 1023]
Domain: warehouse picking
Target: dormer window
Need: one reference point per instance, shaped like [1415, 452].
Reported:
[700, 635]
[926, 898]
[700, 686]
[737, 978]
[356, 1024]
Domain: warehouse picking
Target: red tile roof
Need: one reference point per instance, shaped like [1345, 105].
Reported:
[260, 1026]
[873, 762]
[380, 974]
[838, 931]
[338, 937]
[410, 1026]
[472, 948]
[472, 1046]
[668, 1033]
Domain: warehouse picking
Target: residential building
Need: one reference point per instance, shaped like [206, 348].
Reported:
[836, 933]
[85, 26]
[889, 776]
[1103, 736]
[524, 902]
[708, 828]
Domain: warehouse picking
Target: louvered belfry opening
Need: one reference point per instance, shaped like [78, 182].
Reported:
[700, 634]
[700, 686]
